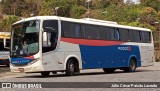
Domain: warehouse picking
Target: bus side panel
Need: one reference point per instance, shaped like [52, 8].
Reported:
[108, 56]
[57, 59]
[53, 61]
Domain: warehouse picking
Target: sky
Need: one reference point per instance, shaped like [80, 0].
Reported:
[135, 1]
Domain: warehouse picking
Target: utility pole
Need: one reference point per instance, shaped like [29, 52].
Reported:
[88, 7]
[15, 5]
[0, 8]
[14, 8]
[56, 9]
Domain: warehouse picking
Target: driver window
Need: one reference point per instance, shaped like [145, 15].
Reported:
[46, 37]
[50, 35]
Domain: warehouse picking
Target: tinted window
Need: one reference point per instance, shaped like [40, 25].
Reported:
[2, 45]
[116, 34]
[104, 33]
[113, 34]
[71, 30]
[51, 25]
[90, 31]
[134, 36]
[109, 33]
[50, 36]
[124, 34]
[67, 29]
[77, 30]
[146, 37]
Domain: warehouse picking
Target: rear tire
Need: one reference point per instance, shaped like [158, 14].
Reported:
[70, 68]
[7, 65]
[54, 72]
[45, 74]
[132, 66]
[109, 70]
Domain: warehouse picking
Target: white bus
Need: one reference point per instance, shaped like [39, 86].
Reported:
[45, 44]
[4, 48]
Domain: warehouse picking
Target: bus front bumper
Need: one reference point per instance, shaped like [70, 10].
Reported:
[36, 67]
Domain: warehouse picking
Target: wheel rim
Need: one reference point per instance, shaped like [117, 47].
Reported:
[71, 67]
[133, 66]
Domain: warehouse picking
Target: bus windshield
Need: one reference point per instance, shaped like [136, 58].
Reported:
[25, 38]
[2, 47]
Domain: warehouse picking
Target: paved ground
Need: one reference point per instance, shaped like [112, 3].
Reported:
[4, 68]
[143, 74]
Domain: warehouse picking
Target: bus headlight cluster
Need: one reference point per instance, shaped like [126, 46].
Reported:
[33, 61]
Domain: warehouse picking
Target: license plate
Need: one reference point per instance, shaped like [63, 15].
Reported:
[21, 69]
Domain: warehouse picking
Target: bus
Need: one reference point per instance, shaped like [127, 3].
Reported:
[4, 48]
[51, 44]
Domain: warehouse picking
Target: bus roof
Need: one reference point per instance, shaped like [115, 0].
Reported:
[85, 21]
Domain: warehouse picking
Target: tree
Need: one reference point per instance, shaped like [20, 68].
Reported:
[155, 4]
[148, 15]
[6, 7]
[77, 11]
[123, 13]
[5, 24]
[48, 7]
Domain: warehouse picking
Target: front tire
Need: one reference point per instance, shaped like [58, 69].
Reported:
[45, 74]
[70, 68]
[54, 72]
[132, 66]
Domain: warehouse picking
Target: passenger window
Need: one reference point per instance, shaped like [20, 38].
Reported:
[124, 34]
[90, 31]
[116, 34]
[50, 35]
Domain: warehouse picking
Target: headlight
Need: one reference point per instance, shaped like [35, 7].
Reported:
[33, 61]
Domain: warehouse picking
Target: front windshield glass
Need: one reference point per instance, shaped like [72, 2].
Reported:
[2, 47]
[25, 38]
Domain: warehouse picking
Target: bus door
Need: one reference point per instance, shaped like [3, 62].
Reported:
[49, 43]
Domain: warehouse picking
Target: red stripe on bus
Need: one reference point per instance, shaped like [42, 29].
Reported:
[91, 42]
[30, 57]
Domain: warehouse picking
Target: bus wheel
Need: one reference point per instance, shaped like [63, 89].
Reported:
[70, 68]
[132, 66]
[45, 74]
[7, 65]
[54, 72]
[109, 70]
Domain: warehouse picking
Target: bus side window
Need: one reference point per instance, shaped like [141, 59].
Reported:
[46, 37]
[50, 35]
[116, 34]
[49, 41]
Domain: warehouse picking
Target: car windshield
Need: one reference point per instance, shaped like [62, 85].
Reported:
[25, 36]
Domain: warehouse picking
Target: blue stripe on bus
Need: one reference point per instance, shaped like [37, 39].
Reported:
[108, 56]
[20, 61]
